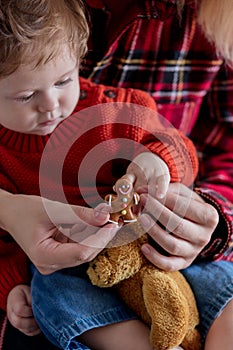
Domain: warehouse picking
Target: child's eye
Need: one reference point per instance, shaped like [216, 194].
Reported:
[24, 98]
[63, 82]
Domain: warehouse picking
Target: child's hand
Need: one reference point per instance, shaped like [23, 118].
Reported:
[149, 171]
[19, 310]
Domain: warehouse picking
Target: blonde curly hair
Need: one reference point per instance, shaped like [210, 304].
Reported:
[215, 19]
[35, 31]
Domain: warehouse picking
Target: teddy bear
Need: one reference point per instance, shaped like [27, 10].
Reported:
[163, 300]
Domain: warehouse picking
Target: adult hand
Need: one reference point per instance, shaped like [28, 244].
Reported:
[26, 219]
[19, 310]
[185, 225]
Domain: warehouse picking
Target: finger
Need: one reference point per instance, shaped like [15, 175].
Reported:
[162, 183]
[186, 241]
[28, 296]
[184, 191]
[61, 235]
[22, 308]
[32, 332]
[137, 177]
[80, 232]
[130, 176]
[62, 255]
[30, 328]
[60, 213]
[175, 208]
[102, 237]
[166, 263]
[165, 216]
[91, 236]
[96, 217]
[171, 223]
[27, 325]
[172, 244]
[192, 207]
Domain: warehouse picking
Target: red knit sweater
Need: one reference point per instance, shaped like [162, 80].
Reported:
[82, 155]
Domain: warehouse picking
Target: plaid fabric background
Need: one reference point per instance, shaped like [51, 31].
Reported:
[153, 50]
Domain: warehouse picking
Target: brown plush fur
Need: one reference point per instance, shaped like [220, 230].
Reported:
[163, 300]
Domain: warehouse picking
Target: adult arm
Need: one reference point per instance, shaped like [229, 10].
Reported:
[210, 235]
[26, 219]
[183, 224]
[35, 230]
[215, 146]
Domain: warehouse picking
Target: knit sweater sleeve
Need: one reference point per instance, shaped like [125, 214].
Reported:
[147, 128]
[13, 261]
[13, 267]
[171, 145]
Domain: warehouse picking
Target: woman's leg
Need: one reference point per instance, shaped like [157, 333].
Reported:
[130, 335]
[212, 284]
[220, 335]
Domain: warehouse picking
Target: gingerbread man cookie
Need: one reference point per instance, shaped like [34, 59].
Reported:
[123, 202]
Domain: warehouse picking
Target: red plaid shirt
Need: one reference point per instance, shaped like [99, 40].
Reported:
[150, 48]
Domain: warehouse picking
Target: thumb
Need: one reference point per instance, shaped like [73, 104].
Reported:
[162, 184]
[96, 217]
[66, 214]
[28, 296]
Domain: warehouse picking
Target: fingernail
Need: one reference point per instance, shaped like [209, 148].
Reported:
[130, 176]
[160, 195]
[102, 210]
[100, 214]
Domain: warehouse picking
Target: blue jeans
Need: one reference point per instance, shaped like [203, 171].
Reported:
[66, 304]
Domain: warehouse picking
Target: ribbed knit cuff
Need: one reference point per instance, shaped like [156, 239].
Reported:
[220, 246]
[179, 154]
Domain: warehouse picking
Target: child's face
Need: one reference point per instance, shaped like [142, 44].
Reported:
[36, 100]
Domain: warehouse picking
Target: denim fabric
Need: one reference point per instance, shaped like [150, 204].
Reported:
[212, 284]
[66, 304]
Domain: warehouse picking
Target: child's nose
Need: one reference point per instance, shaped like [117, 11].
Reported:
[48, 103]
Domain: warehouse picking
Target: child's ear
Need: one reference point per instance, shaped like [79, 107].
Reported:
[114, 188]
